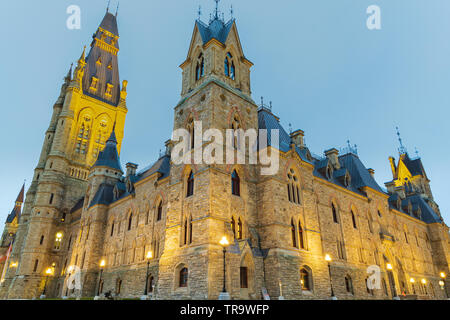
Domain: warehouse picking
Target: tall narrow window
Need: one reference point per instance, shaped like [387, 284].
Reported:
[185, 232]
[70, 242]
[51, 198]
[183, 278]
[230, 70]
[112, 229]
[293, 187]
[130, 221]
[36, 263]
[305, 279]
[42, 240]
[190, 128]
[235, 184]
[348, 284]
[239, 229]
[233, 227]
[353, 220]
[200, 69]
[190, 229]
[301, 236]
[159, 215]
[190, 185]
[244, 277]
[294, 240]
[333, 209]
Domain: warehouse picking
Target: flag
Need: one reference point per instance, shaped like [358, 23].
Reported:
[5, 267]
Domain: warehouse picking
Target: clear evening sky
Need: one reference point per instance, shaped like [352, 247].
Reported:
[325, 72]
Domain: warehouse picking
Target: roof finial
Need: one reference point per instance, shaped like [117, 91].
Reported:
[401, 149]
[290, 128]
[417, 152]
[199, 12]
[117, 9]
[270, 105]
[217, 9]
[262, 101]
[231, 11]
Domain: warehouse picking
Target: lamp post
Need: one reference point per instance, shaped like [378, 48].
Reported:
[48, 273]
[412, 280]
[392, 280]
[442, 283]
[149, 257]
[224, 295]
[328, 260]
[102, 265]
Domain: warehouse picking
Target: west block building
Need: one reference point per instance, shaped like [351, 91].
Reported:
[83, 207]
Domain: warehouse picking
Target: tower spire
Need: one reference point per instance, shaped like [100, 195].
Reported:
[401, 149]
[216, 14]
[117, 9]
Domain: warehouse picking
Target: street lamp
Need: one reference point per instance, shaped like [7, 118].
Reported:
[328, 260]
[224, 295]
[442, 282]
[48, 273]
[149, 257]
[102, 265]
[391, 278]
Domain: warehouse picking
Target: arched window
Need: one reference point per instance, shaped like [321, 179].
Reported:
[200, 69]
[183, 278]
[353, 219]
[159, 212]
[230, 70]
[294, 240]
[293, 187]
[190, 185]
[301, 236]
[305, 279]
[348, 284]
[191, 130]
[235, 126]
[239, 231]
[233, 227]
[333, 210]
[58, 240]
[130, 221]
[235, 184]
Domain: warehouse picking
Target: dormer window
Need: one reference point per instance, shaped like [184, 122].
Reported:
[230, 70]
[108, 92]
[94, 83]
[200, 69]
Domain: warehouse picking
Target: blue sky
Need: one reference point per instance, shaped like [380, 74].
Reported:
[325, 72]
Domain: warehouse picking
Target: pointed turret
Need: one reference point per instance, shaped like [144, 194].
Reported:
[101, 76]
[109, 157]
[15, 213]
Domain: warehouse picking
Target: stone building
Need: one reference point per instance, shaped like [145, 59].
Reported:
[83, 209]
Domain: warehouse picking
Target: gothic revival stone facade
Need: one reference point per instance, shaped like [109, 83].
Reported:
[81, 208]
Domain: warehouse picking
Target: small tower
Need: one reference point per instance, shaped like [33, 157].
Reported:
[12, 221]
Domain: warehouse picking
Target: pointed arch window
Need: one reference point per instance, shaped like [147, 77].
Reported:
[348, 284]
[190, 230]
[130, 221]
[185, 231]
[235, 126]
[200, 68]
[353, 220]
[230, 70]
[190, 128]
[190, 185]
[293, 187]
[235, 184]
[159, 212]
[293, 235]
[301, 236]
[334, 212]
[305, 279]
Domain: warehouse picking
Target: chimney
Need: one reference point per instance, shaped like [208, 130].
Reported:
[297, 138]
[332, 155]
[169, 147]
[131, 169]
[372, 172]
[400, 191]
[390, 186]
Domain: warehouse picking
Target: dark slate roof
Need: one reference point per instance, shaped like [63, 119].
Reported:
[104, 195]
[21, 194]
[414, 166]
[216, 29]
[427, 213]
[77, 206]
[360, 176]
[109, 23]
[15, 212]
[109, 157]
[267, 120]
[162, 165]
